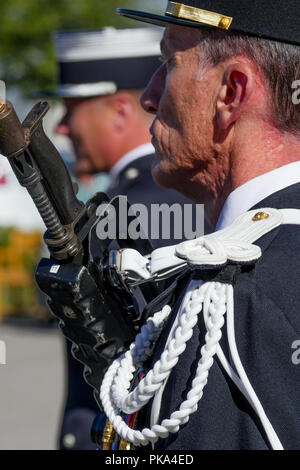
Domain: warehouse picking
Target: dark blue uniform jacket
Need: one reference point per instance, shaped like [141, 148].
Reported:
[267, 323]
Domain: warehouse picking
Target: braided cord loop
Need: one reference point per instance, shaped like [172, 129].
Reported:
[211, 298]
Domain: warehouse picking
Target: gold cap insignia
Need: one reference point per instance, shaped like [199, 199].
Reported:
[179, 10]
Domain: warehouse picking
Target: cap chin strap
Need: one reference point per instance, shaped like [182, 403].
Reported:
[214, 300]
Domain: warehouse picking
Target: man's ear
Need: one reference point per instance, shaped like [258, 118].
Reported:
[123, 106]
[237, 87]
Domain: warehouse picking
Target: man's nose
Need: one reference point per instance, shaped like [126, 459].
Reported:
[151, 96]
[63, 127]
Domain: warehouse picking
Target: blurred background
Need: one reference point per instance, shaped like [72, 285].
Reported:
[32, 381]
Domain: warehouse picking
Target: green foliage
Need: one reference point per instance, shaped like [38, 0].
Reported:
[4, 236]
[26, 50]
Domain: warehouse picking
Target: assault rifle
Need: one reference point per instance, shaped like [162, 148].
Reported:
[94, 303]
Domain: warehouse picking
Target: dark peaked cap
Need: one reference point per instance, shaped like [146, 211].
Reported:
[270, 19]
[100, 62]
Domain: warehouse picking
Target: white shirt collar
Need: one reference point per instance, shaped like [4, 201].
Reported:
[138, 152]
[255, 190]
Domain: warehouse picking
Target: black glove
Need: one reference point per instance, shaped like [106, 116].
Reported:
[91, 317]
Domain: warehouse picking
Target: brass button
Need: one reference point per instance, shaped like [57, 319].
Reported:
[132, 173]
[260, 216]
[69, 441]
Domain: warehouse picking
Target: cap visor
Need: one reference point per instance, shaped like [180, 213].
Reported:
[158, 20]
[61, 93]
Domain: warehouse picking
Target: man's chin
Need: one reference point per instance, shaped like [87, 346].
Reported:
[159, 175]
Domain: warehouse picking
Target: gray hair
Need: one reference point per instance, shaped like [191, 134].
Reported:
[278, 62]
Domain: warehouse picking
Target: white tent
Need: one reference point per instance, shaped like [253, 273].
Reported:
[16, 206]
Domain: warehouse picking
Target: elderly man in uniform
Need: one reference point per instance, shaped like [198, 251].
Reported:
[102, 74]
[227, 132]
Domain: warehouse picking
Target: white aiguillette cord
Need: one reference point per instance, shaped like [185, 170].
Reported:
[215, 300]
[243, 230]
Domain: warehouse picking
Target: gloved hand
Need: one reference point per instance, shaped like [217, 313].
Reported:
[92, 317]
